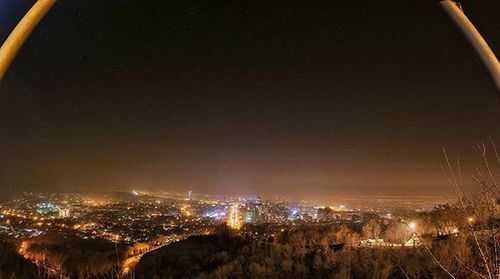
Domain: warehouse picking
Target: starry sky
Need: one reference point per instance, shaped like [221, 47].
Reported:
[295, 97]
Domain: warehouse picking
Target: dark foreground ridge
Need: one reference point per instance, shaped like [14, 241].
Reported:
[303, 253]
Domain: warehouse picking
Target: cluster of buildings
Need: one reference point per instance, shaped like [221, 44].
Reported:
[145, 216]
[327, 214]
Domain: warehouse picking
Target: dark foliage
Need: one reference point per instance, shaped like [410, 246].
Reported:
[301, 253]
[76, 257]
[190, 258]
[12, 265]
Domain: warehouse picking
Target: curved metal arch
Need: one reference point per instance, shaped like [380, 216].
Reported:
[21, 32]
[484, 51]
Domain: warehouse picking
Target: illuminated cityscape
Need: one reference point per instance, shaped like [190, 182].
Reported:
[205, 139]
[132, 230]
[144, 222]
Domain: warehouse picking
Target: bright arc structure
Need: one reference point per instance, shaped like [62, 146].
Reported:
[21, 32]
[489, 59]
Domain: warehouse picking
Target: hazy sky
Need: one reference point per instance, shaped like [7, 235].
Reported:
[299, 97]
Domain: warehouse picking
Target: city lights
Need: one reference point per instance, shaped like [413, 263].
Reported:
[412, 226]
[154, 220]
[234, 217]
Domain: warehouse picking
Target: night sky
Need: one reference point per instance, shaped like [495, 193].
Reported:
[291, 97]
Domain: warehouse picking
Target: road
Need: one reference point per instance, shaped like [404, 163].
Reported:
[130, 263]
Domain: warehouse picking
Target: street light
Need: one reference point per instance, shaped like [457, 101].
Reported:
[412, 226]
[414, 239]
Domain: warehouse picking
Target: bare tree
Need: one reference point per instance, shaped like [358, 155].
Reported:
[479, 215]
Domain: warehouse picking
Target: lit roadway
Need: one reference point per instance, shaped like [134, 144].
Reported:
[130, 263]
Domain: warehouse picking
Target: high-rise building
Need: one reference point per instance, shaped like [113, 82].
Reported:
[64, 213]
[251, 214]
[234, 217]
[326, 214]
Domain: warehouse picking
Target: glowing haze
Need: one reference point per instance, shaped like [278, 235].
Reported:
[245, 97]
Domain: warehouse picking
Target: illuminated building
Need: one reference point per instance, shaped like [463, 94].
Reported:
[251, 214]
[64, 213]
[46, 208]
[294, 214]
[234, 217]
[326, 214]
